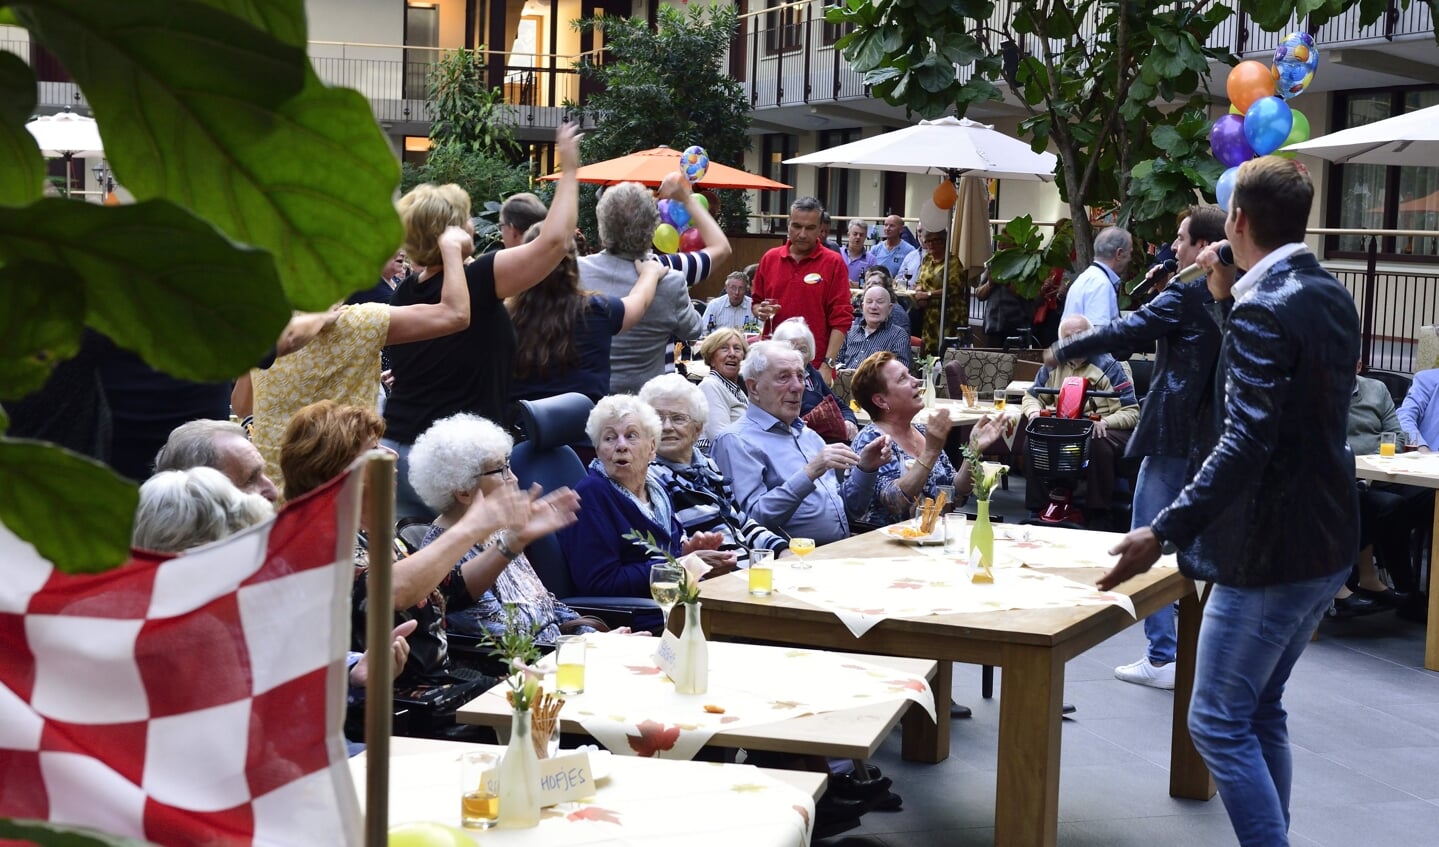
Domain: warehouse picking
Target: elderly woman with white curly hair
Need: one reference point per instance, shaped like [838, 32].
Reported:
[627, 218]
[702, 497]
[465, 458]
[796, 333]
[619, 495]
[183, 509]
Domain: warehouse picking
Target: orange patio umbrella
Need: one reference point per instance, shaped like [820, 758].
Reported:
[652, 166]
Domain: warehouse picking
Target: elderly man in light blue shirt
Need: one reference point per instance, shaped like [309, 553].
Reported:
[784, 475]
[1093, 293]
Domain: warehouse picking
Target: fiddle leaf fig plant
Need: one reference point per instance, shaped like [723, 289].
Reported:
[259, 190]
[1024, 260]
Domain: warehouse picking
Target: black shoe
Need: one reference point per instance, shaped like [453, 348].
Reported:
[1353, 606]
[1068, 709]
[854, 787]
[958, 711]
[833, 809]
[1388, 597]
[886, 802]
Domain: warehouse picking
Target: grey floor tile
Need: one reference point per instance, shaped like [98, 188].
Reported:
[1185, 831]
[1414, 823]
[1408, 769]
[1325, 781]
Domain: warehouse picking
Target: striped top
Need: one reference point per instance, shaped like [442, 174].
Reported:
[704, 502]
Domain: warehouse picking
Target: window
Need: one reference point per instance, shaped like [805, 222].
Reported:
[1380, 196]
[422, 35]
[833, 32]
[784, 26]
[774, 149]
[838, 188]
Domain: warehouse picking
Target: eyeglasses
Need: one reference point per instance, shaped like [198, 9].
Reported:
[675, 419]
[502, 469]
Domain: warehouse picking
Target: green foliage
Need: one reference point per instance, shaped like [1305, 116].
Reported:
[1024, 261]
[260, 190]
[470, 117]
[60, 835]
[1162, 187]
[487, 177]
[667, 86]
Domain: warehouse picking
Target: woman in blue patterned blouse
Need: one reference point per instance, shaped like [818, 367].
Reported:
[892, 396]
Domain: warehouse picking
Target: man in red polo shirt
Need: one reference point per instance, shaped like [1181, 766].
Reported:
[801, 279]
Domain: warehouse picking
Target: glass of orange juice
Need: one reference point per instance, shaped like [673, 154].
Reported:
[761, 572]
[1386, 443]
[479, 790]
[570, 664]
[801, 547]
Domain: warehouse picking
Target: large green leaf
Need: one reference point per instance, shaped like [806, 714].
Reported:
[42, 314]
[158, 281]
[61, 835]
[22, 174]
[74, 510]
[201, 108]
[284, 19]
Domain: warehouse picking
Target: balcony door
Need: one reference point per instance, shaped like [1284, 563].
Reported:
[422, 36]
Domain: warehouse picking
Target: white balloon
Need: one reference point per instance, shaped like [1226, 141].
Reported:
[933, 218]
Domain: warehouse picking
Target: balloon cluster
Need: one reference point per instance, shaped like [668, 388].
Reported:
[1260, 121]
[675, 233]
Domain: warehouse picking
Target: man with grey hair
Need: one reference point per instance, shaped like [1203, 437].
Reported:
[221, 445]
[627, 219]
[1092, 294]
[799, 279]
[784, 475]
[856, 258]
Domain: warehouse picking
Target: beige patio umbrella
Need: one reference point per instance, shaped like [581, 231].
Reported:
[972, 241]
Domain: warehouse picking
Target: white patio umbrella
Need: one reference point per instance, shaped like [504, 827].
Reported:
[954, 147]
[68, 136]
[1408, 139]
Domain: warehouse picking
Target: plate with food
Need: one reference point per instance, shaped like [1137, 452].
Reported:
[912, 532]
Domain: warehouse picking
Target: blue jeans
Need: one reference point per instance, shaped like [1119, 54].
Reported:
[407, 502]
[1161, 478]
[1248, 644]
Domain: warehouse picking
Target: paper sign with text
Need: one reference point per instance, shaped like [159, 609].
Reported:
[566, 778]
[667, 657]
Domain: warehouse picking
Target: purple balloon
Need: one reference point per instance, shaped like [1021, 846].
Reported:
[1227, 141]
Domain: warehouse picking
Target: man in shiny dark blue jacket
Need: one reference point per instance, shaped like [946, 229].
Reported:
[1188, 343]
[1271, 516]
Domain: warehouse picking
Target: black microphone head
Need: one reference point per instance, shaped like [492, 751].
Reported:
[1226, 255]
[1170, 266]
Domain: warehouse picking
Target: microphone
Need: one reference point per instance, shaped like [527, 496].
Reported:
[1193, 272]
[1162, 272]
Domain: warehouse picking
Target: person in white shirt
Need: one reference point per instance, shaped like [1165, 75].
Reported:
[732, 308]
[1093, 293]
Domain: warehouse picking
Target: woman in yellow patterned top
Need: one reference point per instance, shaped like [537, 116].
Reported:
[342, 363]
[928, 287]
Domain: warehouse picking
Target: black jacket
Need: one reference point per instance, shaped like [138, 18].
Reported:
[1274, 501]
[1188, 342]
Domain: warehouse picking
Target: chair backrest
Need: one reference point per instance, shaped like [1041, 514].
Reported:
[987, 370]
[954, 378]
[545, 456]
[1141, 371]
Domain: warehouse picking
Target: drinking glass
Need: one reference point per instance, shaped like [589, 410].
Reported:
[1386, 443]
[479, 790]
[999, 398]
[1411, 442]
[665, 587]
[956, 533]
[801, 547]
[761, 572]
[570, 662]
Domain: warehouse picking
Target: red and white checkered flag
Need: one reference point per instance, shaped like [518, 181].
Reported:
[186, 700]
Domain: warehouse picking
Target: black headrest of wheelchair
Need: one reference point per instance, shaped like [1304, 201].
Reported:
[555, 421]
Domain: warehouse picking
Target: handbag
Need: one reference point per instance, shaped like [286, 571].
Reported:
[827, 420]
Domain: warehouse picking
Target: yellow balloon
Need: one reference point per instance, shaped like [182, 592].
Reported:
[667, 238]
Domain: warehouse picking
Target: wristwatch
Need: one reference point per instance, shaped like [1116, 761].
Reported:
[833, 363]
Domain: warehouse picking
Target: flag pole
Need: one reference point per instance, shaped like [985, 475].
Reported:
[379, 623]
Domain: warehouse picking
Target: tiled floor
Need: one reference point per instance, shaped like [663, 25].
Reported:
[1364, 724]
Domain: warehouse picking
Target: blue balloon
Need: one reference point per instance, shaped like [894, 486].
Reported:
[1224, 188]
[1267, 124]
[674, 214]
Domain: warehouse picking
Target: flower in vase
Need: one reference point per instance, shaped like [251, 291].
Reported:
[517, 646]
[692, 567]
[985, 474]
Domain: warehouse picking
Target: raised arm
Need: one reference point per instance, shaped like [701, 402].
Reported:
[421, 321]
[519, 268]
[717, 246]
[643, 293]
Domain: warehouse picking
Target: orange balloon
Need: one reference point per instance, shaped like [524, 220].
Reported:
[945, 196]
[1248, 82]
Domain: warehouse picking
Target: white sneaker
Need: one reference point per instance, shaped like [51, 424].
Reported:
[1143, 673]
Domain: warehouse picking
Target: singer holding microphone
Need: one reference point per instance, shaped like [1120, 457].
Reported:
[1187, 340]
[1271, 517]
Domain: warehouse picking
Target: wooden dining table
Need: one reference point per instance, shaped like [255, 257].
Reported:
[1031, 645]
[1421, 469]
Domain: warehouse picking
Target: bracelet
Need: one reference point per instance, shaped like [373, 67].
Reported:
[928, 468]
[502, 543]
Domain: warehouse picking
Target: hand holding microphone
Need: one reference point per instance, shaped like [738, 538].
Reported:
[1223, 255]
